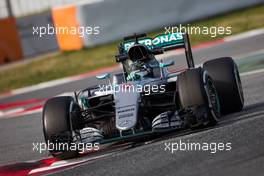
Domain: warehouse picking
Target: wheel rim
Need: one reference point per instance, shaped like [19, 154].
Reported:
[213, 100]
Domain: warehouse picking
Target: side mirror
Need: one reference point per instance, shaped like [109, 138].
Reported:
[121, 58]
[166, 64]
[103, 76]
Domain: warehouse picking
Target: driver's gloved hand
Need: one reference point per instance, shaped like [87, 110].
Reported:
[133, 76]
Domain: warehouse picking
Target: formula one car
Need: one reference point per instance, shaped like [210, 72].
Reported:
[145, 98]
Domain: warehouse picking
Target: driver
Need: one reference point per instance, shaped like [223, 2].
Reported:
[142, 59]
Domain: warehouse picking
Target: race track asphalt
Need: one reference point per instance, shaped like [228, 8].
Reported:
[244, 130]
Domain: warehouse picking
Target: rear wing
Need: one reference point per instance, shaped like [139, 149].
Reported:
[157, 45]
[165, 41]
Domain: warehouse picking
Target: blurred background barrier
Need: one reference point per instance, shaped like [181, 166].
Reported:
[22, 8]
[65, 17]
[10, 46]
[115, 19]
[29, 14]
[34, 45]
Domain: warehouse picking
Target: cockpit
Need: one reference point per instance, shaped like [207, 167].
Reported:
[141, 60]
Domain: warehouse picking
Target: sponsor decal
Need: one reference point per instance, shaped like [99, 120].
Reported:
[125, 123]
[126, 110]
[125, 115]
[162, 40]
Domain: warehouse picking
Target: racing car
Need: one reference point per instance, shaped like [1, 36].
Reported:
[146, 98]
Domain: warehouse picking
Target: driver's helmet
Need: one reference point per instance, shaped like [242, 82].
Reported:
[138, 52]
[142, 59]
[139, 55]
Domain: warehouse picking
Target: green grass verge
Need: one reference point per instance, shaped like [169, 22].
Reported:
[72, 63]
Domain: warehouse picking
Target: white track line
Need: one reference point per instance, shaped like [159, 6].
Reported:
[42, 86]
[64, 163]
[10, 112]
[254, 53]
[252, 72]
[244, 35]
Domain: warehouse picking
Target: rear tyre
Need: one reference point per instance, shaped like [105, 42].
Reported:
[225, 75]
[57, 125]
[197, 91]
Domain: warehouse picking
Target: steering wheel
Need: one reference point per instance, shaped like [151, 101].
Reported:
[137, 74]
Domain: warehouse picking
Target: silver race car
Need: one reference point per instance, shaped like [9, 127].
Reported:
[145, 98]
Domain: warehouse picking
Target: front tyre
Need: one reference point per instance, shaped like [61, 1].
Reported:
[57, 126]
[197, 92]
